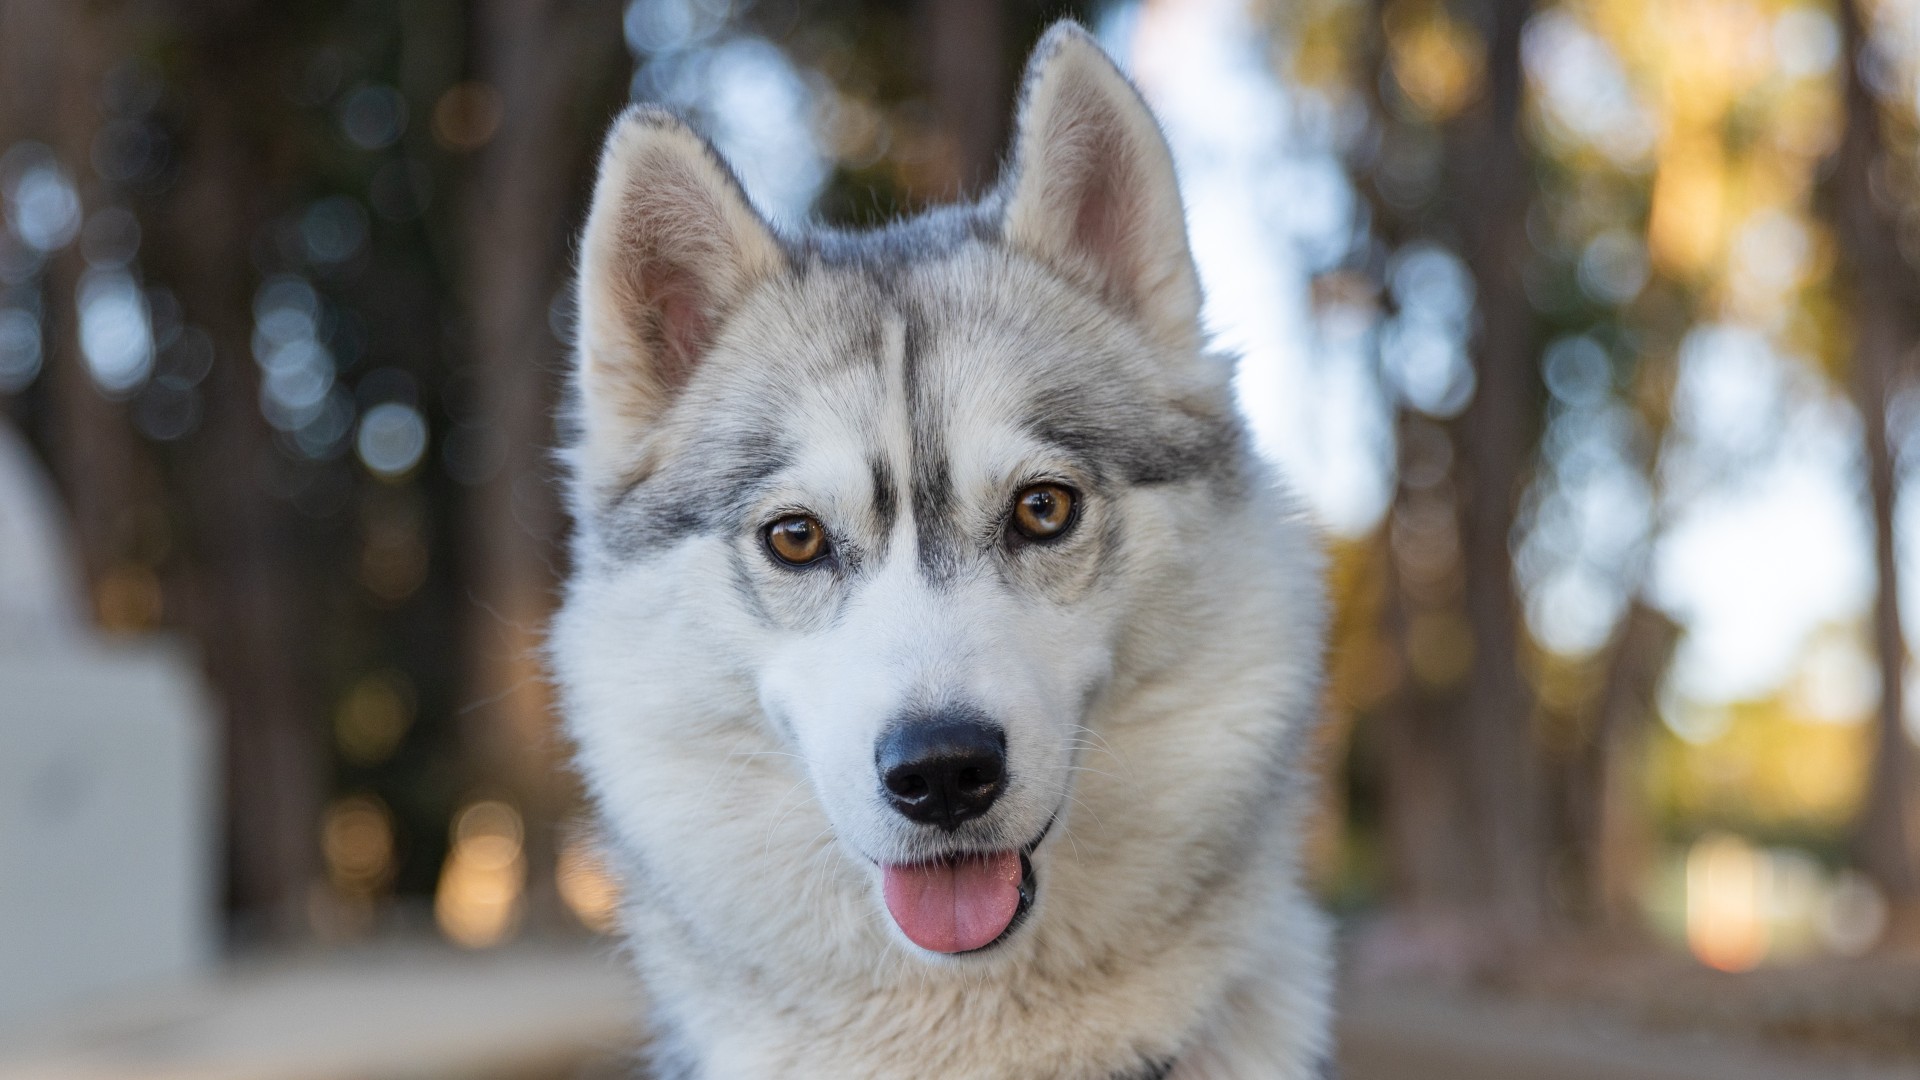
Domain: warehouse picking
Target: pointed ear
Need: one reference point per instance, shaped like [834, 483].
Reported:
[671, 247]
[1092, 190]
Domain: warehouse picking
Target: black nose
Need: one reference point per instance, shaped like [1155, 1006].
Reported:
[942, 770]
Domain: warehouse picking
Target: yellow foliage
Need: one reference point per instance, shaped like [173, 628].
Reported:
[1771, 767]
[1438, 63]
[1363, 667]
[1685, 230]
[1708, 71]
[1323, 38]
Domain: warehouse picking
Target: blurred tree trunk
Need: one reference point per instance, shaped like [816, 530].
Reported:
[1489, 176]
[252, 601]
[963, 45]
[1465, 812]
[51, 96]
[561, 68]
[1611, 840]
[1885, 302]
[1424, 811]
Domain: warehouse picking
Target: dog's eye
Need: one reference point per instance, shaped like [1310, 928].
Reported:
[1043, 511]
[797, 539]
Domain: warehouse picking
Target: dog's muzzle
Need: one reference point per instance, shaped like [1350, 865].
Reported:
[944, 769]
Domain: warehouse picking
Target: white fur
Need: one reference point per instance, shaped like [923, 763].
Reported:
[1155, 701]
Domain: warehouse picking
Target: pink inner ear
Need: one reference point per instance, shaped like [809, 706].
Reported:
[1103, 222]
[677, 318]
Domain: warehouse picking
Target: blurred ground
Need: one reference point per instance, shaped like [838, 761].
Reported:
[419, 1013]
[1429, 1034]
[547, 1013]
[1868, 1006]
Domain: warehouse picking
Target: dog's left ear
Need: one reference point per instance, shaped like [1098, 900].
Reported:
[1092, 192]
[671, 248]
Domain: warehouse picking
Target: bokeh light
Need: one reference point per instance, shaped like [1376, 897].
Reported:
[467, 116]
[373, 116]
[116, 337]
[373, 717]
[356, 836]
[20, 349]
[478, 902]
[587, 886]
[42, 205]
[392, 438]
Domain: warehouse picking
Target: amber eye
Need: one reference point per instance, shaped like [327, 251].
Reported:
[1042, 511]
[797, 539]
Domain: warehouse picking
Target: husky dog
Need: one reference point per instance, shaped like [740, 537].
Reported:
[939, 655]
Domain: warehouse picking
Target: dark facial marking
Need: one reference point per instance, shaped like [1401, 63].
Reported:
[1106, 557]
[1136, 443]
[934, 513]
[1152, 1070]
[873, 344]
[886, 505]
[748, 593]
[885, 252]
[687, 496]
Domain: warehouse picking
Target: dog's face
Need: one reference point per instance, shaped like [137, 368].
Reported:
[905, 491]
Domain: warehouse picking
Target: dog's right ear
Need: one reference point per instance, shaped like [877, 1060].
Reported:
[671, 247]
[1091, 189]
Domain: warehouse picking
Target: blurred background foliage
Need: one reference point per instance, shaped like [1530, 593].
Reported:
[1586, 327]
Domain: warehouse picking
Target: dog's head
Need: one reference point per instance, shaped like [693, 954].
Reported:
[905, 497]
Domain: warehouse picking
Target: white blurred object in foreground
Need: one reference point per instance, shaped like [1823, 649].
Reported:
[39, 592]
[106, 782]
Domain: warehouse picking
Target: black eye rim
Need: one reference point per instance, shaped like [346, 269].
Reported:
[766, 540]
[1020, 535]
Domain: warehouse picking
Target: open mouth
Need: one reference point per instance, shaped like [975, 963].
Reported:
[964, 902]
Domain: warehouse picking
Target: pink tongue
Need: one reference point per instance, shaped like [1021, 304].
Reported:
[955, 905]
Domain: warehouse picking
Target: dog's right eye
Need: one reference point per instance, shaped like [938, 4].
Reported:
[797, 539]
[1043, 512]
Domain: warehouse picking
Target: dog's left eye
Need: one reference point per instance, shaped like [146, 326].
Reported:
[797, 539]
[1043, 511]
